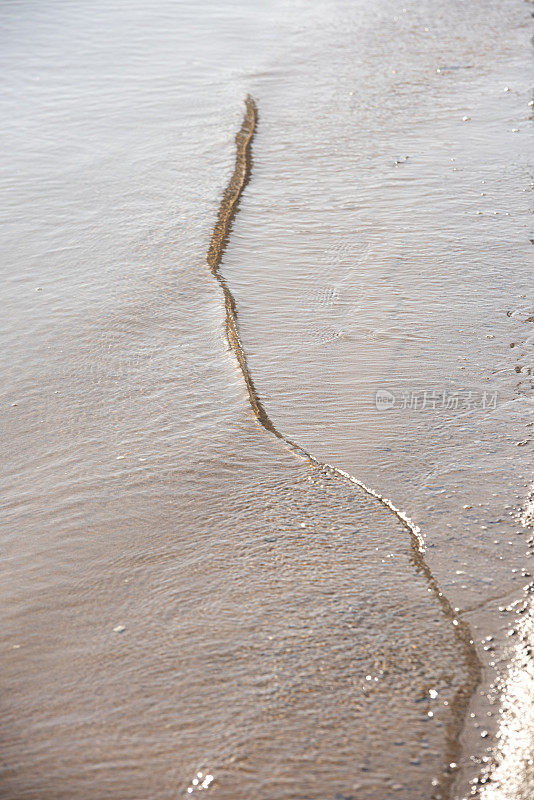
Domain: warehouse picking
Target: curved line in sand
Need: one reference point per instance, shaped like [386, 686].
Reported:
[462, 632]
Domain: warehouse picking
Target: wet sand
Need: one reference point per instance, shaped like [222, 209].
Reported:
[189, 602]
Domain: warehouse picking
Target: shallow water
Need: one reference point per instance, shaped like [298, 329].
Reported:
[279, 634]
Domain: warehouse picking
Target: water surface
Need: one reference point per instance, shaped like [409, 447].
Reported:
[272, 627]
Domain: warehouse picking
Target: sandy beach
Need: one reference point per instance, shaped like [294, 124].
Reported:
[267, 396]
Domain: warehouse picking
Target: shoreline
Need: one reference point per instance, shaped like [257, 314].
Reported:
[462, 632]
